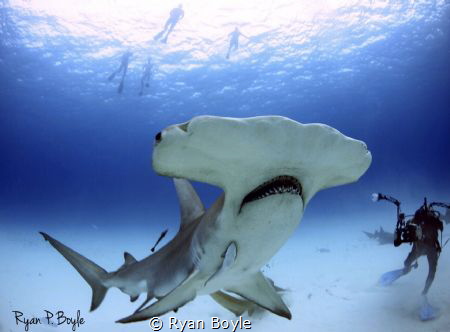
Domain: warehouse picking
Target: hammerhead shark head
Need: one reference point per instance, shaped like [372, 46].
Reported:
[269, 168]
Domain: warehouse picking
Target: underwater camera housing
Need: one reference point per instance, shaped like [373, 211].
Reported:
[408, 231]
[405, 232]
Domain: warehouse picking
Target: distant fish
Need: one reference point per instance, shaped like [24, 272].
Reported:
[381, 236]
[323, 250]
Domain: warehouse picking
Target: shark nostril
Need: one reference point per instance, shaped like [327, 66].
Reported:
[184, 126]
[158, 137]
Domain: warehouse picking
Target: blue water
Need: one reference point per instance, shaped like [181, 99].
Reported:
[76, 155]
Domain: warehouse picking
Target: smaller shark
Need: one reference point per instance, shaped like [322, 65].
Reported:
[127, 277]
[381, 236]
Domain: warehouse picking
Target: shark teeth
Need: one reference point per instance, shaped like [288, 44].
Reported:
[283, 184]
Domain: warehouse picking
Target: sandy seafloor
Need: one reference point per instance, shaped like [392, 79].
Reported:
[328, 291]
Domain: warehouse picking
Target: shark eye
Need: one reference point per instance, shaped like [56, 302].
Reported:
[158, 137]
[184, 126]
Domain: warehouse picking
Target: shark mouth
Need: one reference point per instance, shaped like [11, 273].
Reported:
[283, 184]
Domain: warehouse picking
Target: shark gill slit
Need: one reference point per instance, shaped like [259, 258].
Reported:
[283, 184]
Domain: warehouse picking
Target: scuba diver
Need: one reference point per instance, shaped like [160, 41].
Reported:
[123, 67]
[234, 40]
[176, 14]
[422, 231]
[146, 75]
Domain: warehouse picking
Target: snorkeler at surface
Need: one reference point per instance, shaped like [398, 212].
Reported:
[234, 40]
[176, 14]
[146, 75]
[123, 68]
[422, 231]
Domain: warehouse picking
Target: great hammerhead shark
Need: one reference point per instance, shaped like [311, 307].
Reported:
[269, 168]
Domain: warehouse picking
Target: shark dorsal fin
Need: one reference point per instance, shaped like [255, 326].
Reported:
[129, 259]
[191, 207]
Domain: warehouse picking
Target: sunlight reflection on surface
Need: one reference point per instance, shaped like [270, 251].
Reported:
[110, 26]
[294, 47]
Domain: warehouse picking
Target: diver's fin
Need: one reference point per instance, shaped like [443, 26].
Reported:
[191, 207]
[260, 291]
[427, 312]
[229, 256]
[231, 303]
[389, 277]
[91, 272]
[129, 259]
[178, 297]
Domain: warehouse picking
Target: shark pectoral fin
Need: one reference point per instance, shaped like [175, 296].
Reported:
[235, 305]
[191, 207]
[259, 290]
[91, 272]
[229, 256]
[178, 297]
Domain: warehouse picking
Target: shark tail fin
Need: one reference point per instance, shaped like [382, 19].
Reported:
[91, 272]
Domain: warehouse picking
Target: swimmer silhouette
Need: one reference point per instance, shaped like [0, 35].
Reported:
[234, 40]
[176, 14]
[122, 68]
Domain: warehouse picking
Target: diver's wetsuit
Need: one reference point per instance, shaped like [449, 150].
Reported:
[426, 244]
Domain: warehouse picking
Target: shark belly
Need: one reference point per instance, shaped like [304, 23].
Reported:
[268, 223]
